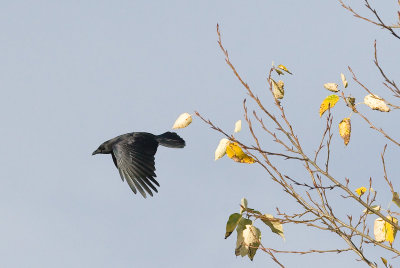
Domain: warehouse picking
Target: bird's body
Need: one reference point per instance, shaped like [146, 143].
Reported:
[133, 155]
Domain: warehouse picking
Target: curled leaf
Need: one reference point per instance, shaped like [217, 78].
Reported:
[345, 130]
[360, 191]
[396, 199]
[183, 121]
[344, 81]
[236, 153]
[277, 89]
[252, 240]
[240, 246]
[379, 230]
[375, 103]
[328, 103]
[331, 87]
[243, 205]
[350, 101]
[282, 67]
[390, 230]
[238, 126]
[279, 72]
[221, 148]
[274, 224]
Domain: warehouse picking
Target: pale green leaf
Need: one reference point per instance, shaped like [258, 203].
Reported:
[276, 226]
[396, 199]
[240, 246]
[252, 240]
[243, 205]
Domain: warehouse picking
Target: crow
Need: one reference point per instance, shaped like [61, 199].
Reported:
[133, 155]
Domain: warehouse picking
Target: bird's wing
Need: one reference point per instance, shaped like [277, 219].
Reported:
[134, 158]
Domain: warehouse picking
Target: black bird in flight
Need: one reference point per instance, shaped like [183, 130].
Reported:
[133, 155]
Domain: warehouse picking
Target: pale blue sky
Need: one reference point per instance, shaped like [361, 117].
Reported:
[76, 73]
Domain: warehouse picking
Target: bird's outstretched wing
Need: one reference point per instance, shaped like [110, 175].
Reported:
[134, 158]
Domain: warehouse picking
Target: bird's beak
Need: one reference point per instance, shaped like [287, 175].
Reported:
[96, 152]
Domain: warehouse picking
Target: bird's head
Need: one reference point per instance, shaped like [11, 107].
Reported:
[105, 148]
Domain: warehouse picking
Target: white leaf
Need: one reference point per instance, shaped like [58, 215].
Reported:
[183, 121]
[251, 235]
[221, 148]
[251, 240]
[375, 103]
[331, 87]
[238, 126]
[344, 81]
[379, 230]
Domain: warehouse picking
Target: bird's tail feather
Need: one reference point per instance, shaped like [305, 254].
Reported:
[170, 139]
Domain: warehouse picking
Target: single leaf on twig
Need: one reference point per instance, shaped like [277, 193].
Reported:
[275, 225]
[277, 89]
[183, 121]
[243, 205]
[331, 87]
[344, 81]
[221, 149]
[384, 261]
[379, 230]
[396, 199]
[375, 103]
[238, 126]
[345, 130]
[236, 153]
[279, 72]
[350, 101]
[390, 231]
[232, 223]
[328, 103]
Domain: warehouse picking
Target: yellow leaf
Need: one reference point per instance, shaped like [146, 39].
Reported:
[221, 149]
[344, 81]
[384, 261]
[183, 121]
[331, 87]
[360, 191]
[345, 130]
[277, 89]
[328, 103]
[234, 152]
[390, 231]
[396, 199]
[282, 67]
[238, 126]
[279, 72]
[375, 103]
[379, 230]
